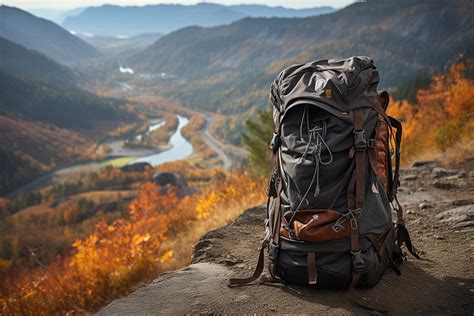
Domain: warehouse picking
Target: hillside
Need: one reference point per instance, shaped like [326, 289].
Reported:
[229, 68]
[70, 107]
[44, 36]
[29, 63]
[163, 18]
[28, 148]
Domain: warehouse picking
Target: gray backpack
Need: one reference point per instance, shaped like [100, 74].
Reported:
[332, 187]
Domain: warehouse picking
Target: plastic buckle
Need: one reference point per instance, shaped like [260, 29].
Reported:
[371, 143]
[273, 252]
[357, 261]
[337, 227]
[353, 222]
[360, 141]
[275, 142]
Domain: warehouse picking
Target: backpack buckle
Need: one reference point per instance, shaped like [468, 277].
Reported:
[371, 143]
[357, 261]
[360, 141]
[275, 142]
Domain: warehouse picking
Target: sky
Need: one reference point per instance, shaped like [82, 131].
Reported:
[69, 4]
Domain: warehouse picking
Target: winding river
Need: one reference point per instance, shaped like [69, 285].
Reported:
[179, 149]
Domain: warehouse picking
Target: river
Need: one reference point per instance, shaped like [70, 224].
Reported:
[179, 149]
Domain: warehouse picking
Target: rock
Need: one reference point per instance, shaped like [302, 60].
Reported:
[410, 177]
[462, 202]
[438, 237]
[168, 180]
[403, 189]
[439, 172]
[445, 185]
[136, 167]
[425, 205]
[423, 163]
[461, 217]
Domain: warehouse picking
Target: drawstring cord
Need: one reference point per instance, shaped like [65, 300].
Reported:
[314, 147]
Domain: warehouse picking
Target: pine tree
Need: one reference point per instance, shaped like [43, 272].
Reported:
[256, 139]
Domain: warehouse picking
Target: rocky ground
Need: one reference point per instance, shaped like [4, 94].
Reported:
[439, 207]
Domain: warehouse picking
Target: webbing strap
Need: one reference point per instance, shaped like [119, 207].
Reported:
[403, 237]
[311, 264]
[360, 146]
[234, 282]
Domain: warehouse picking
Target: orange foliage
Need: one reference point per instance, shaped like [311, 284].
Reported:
[157, 235]
[441, 118]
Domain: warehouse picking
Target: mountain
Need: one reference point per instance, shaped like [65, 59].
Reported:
[56, 15]
[111, 20]
[29, 63]
[111, 45]
[229, 68]
[44, 36]
[255, 10]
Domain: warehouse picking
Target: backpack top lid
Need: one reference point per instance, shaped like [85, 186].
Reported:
[341, 84]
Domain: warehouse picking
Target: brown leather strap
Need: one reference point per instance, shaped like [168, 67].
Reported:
[363, 301]
[311, 264]
[351, 192]
[403, 237]
[399, 209]
[258, 271]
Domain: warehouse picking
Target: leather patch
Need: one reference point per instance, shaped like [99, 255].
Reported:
[318, 225]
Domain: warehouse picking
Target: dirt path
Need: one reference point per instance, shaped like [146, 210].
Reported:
[439, 205]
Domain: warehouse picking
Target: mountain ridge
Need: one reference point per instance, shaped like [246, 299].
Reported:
[44, 36]
[164, 18]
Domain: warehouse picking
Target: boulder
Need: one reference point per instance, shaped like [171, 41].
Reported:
[167, 180]
[461, 217]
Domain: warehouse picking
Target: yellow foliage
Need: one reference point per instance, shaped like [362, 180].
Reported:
[157, 235]
[441, 118]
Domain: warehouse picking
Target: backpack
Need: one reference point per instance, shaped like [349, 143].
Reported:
[334, 178]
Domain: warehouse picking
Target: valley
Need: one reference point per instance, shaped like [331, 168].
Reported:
[129, 132]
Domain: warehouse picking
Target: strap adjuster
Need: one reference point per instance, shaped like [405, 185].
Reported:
[360, 141]
[357, 261]
[371, 143]
[275, 142]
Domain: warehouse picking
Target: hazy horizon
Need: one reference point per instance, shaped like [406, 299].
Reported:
[63, 5]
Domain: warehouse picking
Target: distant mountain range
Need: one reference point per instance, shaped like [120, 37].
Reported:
[56, 15]
[229, 68]
[111, 20]
[44, 36]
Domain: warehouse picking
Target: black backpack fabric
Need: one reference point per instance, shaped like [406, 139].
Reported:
[334, 179]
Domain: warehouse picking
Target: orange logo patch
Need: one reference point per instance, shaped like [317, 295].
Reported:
[328, 93]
